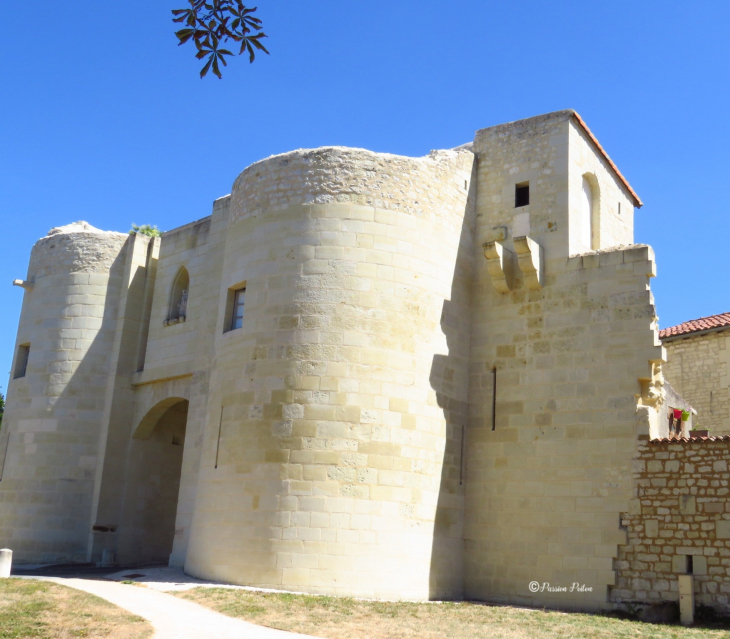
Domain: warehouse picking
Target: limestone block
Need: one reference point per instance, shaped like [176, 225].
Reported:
[679, 564]
[686, 600]
[722, 529]
[6, 561]
[687, 504]
[651, 528]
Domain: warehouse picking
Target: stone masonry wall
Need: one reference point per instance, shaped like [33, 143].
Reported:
[548, 473]
[50, 436]
[698, 367]
[548, 479]
[681, 510]
[615, 206]
[424, 187]
[332, 446]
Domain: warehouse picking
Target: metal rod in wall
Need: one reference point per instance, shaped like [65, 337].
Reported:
[218, 446]
[494, 398]
[5, 456]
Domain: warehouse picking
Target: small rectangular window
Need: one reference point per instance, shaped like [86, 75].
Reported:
[21, 363]
[522, 194]
[238, 302]
[619, 208]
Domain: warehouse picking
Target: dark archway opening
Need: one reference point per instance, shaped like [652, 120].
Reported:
[147, 530]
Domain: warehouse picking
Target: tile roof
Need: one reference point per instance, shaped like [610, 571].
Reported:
[693, 326]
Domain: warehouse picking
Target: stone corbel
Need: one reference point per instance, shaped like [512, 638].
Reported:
[28, 286]
[530, 259]
[650, 400]
[499, 261]
[652, 388]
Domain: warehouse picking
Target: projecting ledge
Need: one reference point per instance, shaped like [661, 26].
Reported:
[531, 261]
[28, 286]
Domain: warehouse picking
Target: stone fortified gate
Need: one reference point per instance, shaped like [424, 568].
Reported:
[363, 374]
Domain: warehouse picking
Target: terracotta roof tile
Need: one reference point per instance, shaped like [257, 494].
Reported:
[701, 324]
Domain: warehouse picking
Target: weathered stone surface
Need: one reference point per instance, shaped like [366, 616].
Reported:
[688, 513]
[341, 438]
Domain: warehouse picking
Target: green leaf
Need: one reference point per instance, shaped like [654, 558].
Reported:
[204, 70]
[184, 35]
[212, 23]
[257, 44]
[216, 70]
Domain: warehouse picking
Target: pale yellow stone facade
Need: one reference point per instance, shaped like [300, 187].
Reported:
[699, 367]
[345, 438]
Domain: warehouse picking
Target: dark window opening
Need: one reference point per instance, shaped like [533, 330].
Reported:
[522, 194]
[179, 297]
[21, 363]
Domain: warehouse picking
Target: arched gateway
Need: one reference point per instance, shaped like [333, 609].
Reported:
[147, 526]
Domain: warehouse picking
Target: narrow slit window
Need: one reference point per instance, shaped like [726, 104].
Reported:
[238, 303]
[21, 363]
[522, 194]
[179, 297]
[619, 208]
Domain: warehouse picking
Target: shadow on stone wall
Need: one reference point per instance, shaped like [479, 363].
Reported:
[449, 379]
[53, 503]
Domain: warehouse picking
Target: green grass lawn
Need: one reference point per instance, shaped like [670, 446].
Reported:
[40, 609]
[342, 618]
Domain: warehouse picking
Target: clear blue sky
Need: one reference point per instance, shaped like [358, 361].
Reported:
[103, 118]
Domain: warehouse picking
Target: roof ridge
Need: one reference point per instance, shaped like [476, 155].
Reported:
[709, 322]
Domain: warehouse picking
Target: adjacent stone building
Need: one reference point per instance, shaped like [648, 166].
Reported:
[698, 363]
[363, 374]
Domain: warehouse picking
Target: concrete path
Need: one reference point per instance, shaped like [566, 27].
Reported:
[171, 617]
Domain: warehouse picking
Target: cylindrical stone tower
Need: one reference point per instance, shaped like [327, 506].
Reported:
[332, 452]
[49, 442]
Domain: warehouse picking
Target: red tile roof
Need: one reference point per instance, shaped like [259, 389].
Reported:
[693, 326]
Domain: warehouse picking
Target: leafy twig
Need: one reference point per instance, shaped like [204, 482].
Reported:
[212, 23]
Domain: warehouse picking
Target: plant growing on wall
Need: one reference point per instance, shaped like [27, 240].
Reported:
[145, 229]
[210, 24]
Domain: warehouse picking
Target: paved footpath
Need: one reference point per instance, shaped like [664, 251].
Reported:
[174, 618]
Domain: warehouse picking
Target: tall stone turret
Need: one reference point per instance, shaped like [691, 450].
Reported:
[50, 438]
[342, 395]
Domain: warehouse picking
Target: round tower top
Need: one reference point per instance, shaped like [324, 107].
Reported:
[79, 227]
[73, 248]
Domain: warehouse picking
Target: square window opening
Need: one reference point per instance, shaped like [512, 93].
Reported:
[21, 362]
[522, 194]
